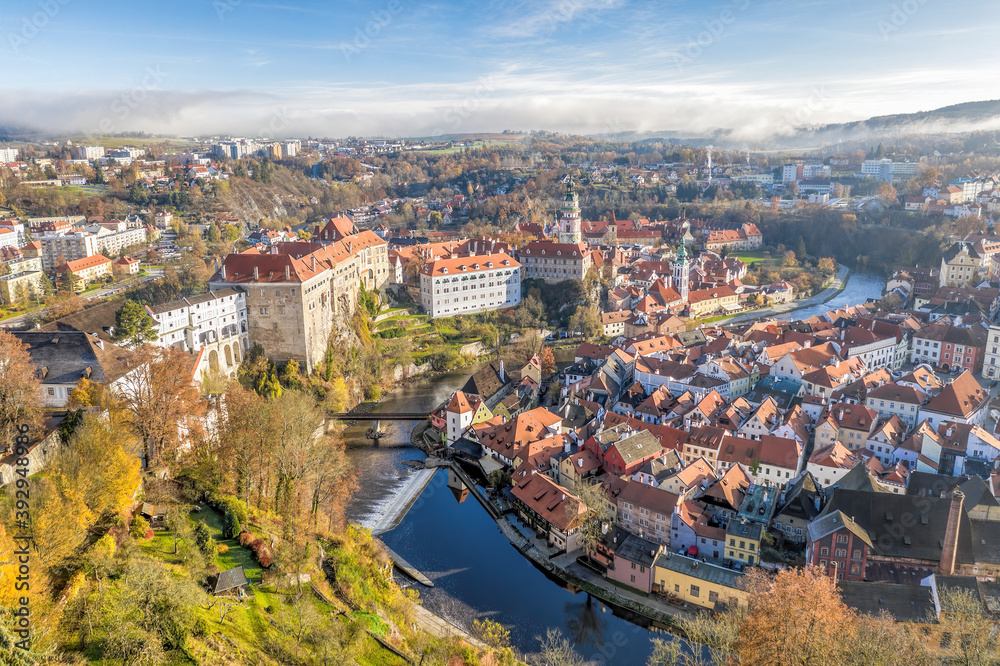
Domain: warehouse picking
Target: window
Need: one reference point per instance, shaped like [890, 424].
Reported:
[824, 551]
[713, 597]
[632, 579]
[857, 553]
[695, 590]
[263, 311]
[51, 391]
[841, 538]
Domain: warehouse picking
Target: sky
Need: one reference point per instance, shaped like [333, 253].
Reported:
[399, 68]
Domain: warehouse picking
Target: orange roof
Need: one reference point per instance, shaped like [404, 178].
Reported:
[459, 265]
[461, 403]
[85, 263]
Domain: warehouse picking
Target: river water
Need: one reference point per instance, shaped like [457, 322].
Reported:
[860, 287]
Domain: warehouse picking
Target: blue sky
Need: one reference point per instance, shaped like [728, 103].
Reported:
[400, 67]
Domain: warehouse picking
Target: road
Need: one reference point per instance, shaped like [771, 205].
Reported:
[821, 297]
[154, 274]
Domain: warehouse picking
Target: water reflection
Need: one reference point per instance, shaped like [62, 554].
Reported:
[584, 624]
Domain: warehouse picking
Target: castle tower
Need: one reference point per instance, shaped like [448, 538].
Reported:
[569, 218]
[681, 273]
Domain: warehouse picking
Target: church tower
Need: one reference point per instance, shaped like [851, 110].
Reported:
[681, 273]
[569, 218]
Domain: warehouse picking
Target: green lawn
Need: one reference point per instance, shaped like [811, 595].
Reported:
[162, 545]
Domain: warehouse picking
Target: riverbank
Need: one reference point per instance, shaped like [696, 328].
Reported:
[564, 566]
[831, 291]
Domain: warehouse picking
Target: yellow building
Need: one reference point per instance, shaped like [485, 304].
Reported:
[700, 583]
[743, 542]
[14, 287]
[86, 270]
[709, 301]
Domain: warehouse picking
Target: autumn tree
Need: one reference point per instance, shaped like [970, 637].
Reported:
[160, 398]
[20, 400]
[887, 194]
[587, 320]
[100, 462]
[548, 362]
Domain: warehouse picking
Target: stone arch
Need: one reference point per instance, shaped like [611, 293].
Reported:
[229, 356]
[236, 352]
[213, 360]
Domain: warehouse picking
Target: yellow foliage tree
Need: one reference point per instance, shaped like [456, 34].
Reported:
[102, 463]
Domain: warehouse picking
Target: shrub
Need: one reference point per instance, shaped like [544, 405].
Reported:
[138, 528]
[222, 549]
[234, 514]
[264, 558]
[203, 537]
[246, 539]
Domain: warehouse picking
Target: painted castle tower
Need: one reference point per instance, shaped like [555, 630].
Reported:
[569, 218]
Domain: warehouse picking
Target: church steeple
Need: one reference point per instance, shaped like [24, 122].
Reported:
[569, 217]
[681, 273]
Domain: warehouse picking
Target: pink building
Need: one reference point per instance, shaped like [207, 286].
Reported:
[633, 560]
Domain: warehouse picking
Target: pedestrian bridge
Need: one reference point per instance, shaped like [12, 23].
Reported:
[399, 416]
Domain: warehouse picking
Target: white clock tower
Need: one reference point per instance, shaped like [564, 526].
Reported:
[681, 273]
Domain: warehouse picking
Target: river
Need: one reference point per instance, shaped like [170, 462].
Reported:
[860, 287]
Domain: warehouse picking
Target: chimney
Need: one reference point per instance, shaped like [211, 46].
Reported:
[288, 272]
[314, 263]
[256, 274]
[223, 270]
[950, 549]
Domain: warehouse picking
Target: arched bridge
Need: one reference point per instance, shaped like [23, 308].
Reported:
[399, 416]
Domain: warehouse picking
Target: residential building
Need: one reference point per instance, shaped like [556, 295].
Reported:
[555, 262]
[84, 271]
[59, 248]
[961, 401]
[644, 510]
[702, 584]
[90, 152]
[896, 400]
[20, 286]
[839, 546]
[63, 358]
[633, 559]
[462, 412]
[743, 542]
[961, 265]
[548, 507]
[462, 285]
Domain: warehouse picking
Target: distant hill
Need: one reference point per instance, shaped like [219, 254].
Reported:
[948, 120]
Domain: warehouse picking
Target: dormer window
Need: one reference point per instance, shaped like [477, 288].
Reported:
[444, 270]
